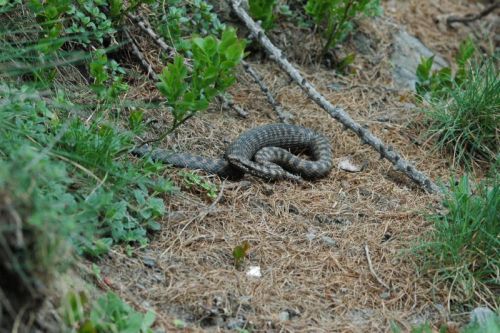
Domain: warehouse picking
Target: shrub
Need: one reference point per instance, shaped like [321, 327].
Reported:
[463, 249]
[336, 16]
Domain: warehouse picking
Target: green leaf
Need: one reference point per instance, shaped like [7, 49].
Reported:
[148, 320]
[465, 51]
[240, 252]
[424, 68]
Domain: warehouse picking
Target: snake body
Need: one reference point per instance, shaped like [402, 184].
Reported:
[265, 151]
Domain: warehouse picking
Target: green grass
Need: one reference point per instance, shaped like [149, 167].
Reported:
[463, 249]
[467, 123]
[67, 186]
[107, 314]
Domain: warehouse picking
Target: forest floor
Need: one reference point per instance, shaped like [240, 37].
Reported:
[309, 240]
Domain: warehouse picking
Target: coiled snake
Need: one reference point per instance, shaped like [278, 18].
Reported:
[265, 151]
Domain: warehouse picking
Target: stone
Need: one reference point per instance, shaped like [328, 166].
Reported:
[406, 56]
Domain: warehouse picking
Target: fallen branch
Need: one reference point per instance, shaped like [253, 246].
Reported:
[146, 27]
[227, 102]
[284, 116]
[336, 112]
[142, 59]
[473, 17]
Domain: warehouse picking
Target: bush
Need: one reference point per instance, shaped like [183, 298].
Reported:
[463, 249]
[467, 123]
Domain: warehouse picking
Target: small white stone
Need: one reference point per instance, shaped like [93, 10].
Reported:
[284, 316]
[254, 271]
[346, 165]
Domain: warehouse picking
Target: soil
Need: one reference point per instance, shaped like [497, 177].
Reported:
[310, 240]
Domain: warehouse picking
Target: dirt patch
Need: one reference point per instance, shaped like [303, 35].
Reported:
[308, 240]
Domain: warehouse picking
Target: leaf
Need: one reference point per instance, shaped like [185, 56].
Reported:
[135, 120]
[240, 252]
[346, 62]
[157, 206]
[140, 197]
[87, 327]
[424, 68]
[154, 226]
[465, 51]
[116, 7]
[148, 320]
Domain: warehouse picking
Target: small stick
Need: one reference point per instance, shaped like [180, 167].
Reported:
[146, 27]
[336, 112]
[473, 17]
[284, 116]
[142, 59]
[367, 252]
[226, 102]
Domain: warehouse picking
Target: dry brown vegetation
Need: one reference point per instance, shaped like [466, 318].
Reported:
[309, 240]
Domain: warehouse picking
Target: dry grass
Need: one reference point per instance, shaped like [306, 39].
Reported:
[308, 239]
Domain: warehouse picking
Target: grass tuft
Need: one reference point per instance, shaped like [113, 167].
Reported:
[463, 249]
[468, 122]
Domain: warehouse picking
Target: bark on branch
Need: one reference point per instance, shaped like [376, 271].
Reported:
[284, 116]
[473, 17]
[336, 112]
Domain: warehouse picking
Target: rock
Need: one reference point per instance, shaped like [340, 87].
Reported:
[329, 241]
[406, 56]
[149, 261]
[346, 165]
[284, 316]
[480, 315]
[363, 43]
[236, 323]
[254, 271]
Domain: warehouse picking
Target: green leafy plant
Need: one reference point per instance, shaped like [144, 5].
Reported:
[108, 314]
[262, 10]
[183, 19]
[337, 17]
[90, 22]
[194, 180]
[422, 328]
[463, 247]
[239, 253]
[190, 90]
[490, 325]
[436, 85]
[466, 122]
[108, 77]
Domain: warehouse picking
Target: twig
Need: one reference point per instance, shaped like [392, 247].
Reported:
[226, 102]
[146, 27]
[473, 17]
[367, 252]
[142, 59]
[336, 112]
[284, 116]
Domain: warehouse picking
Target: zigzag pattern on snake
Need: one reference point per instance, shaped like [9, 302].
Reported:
[265, 151]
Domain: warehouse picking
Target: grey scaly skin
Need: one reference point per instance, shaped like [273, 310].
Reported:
[265, 152]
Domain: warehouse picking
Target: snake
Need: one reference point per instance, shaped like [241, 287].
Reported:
[268, 151]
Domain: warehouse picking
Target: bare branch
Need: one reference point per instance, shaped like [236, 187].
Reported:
[142, 59]
[146, 27]
[336, 112]
[227, 102]
[473, 17]
[370, 266]
[284, 116]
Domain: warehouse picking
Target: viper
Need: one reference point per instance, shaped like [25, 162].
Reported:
[267, 152]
